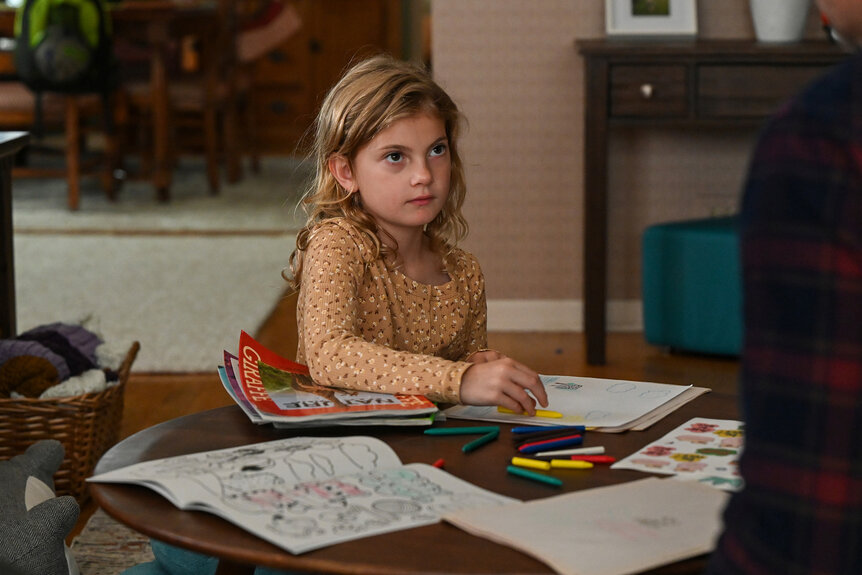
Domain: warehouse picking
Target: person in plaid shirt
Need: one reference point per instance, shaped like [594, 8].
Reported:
[800, 511]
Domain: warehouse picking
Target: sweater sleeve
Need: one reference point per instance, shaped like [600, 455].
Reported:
[335, 351]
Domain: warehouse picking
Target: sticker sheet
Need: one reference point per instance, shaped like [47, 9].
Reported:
[703, 450]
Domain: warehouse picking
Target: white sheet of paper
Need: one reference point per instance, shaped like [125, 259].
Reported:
[586, 401]
[614, 530]
[303, 493]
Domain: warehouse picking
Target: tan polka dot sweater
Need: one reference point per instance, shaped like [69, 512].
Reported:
[366, 327]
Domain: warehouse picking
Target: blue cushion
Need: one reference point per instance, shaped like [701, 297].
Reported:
[692, 285]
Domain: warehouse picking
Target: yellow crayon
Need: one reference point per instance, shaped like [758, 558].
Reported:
[570, 464]
[531, 463]
[539, 413]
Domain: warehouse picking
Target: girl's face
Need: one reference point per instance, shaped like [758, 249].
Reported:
[402, 175]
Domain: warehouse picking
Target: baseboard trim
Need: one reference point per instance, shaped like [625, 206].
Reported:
[560, 315]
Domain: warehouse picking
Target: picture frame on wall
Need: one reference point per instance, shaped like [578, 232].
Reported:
[657, 18]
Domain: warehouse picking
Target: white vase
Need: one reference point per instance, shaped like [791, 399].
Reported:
[779, 20]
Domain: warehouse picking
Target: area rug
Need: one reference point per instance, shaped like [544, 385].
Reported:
[184, 298]
[181, 278]
[265, 201]
[107, 547]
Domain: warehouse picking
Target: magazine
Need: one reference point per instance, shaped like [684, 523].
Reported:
[281, 391]
[304, 493]
[227, 374]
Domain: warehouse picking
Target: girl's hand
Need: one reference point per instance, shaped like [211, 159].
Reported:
[503, 382]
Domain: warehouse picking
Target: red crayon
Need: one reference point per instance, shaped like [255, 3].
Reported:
[439, 464]
[523, 438]
[594, 458]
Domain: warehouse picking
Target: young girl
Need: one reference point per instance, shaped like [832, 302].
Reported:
[387, 302]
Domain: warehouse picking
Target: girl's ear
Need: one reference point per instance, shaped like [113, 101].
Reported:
[340, 169]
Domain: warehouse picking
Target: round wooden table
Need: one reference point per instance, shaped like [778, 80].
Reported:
[439, 548]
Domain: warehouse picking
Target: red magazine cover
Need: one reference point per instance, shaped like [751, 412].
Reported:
[282, 390]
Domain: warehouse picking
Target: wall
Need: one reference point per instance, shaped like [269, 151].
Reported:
[513, 68]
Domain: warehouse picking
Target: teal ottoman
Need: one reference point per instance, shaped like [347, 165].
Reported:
[692, 286]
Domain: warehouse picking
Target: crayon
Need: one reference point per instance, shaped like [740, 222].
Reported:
[534, 437]
[593, 458]
[461, 430]
[553, 439]
[527, 474]
[569, 464]
[540, 446]
[526, 429]
[439, 463]
[597, 450]
[539, 413]
[531, 463]
[477, 443]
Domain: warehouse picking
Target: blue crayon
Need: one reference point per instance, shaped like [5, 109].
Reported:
[544, 428]
[550, 445]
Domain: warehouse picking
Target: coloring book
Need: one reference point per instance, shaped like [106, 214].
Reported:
[303, 493]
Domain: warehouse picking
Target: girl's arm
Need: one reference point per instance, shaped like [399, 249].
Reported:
[496, 379]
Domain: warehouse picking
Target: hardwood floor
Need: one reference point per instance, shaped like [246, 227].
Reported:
[153, 398]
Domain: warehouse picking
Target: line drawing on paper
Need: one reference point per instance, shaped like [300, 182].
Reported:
[312, 491]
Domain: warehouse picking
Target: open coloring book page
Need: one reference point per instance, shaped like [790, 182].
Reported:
[585, 401]
[303, 493]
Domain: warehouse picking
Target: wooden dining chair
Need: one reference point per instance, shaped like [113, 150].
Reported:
[210, 88]
[201, 98]
[76, 117]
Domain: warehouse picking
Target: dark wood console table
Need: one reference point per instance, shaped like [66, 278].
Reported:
[10, 143]
[685, 83]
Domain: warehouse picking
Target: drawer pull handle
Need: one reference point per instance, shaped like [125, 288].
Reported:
[646, 91]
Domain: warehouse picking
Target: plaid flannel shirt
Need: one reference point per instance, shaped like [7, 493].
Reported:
[801, 378]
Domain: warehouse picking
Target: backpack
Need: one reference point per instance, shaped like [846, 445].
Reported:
[64, 46]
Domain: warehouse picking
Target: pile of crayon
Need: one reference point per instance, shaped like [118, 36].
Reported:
[539, 448]
[555, 447]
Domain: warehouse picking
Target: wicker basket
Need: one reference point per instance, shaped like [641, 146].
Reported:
[87, 425]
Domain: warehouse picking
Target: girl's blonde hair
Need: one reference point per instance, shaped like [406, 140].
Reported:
[366, 100]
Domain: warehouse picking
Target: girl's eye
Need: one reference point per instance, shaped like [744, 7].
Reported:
[438, 150]
[394, 157]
